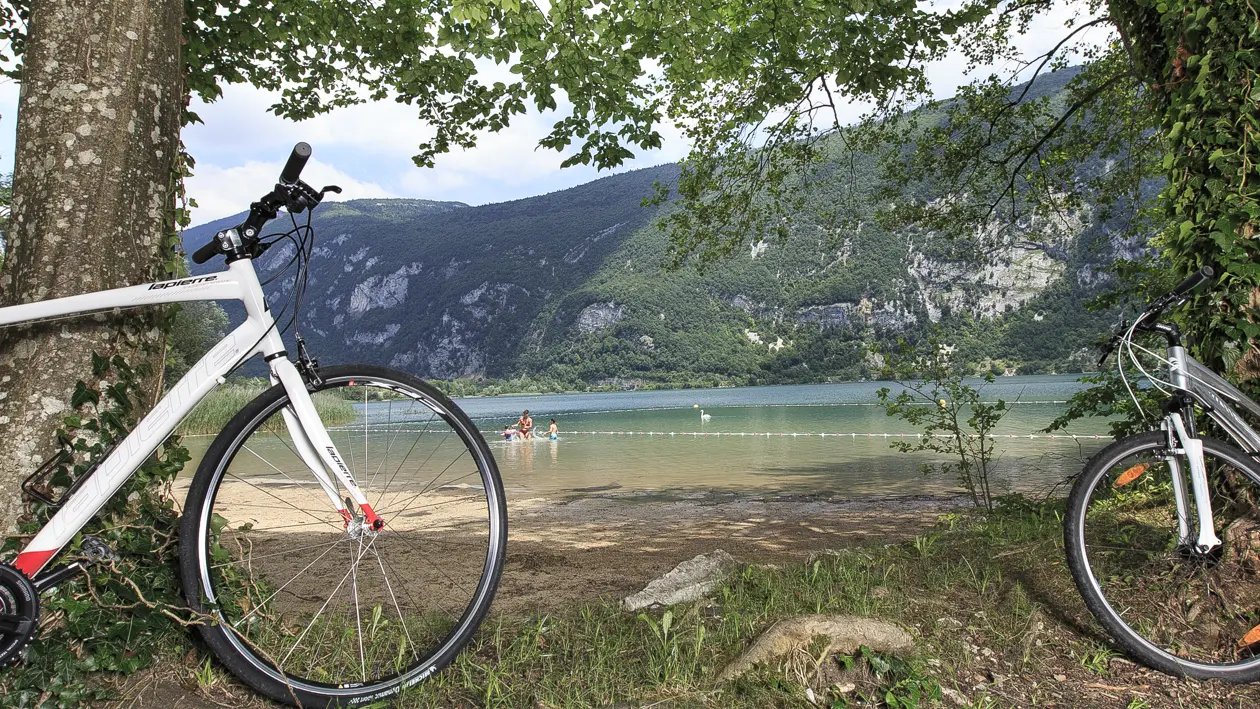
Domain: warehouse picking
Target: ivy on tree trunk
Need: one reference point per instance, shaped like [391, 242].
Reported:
[102, 89]
[1200, 62]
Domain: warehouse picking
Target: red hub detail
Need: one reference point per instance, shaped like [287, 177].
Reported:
[345, 514]
[376, 522]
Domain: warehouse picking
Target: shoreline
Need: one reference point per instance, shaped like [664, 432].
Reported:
[672, 386]
[583, 547]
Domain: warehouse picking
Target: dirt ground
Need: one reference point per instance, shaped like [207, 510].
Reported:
[587, 547]
[592, 545]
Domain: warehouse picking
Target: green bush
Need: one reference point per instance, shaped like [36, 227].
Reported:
[213, 413]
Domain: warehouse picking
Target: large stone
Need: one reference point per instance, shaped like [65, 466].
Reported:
[844, 635]
[689, 581]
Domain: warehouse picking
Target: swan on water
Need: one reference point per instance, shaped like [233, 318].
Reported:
[704, 416]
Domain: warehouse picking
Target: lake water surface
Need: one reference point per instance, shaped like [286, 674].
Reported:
[655, 441]
[613, 452]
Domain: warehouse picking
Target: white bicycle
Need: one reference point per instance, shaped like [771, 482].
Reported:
[340, 561]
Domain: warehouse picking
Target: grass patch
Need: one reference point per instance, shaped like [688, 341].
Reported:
[996, 618]
[956, 589]
[213, 413]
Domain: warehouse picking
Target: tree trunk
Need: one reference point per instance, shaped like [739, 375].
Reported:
[98, 130]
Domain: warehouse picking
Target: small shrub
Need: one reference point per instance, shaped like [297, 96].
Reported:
[950, 413]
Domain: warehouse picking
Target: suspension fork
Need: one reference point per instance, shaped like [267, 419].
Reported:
[1181, 439]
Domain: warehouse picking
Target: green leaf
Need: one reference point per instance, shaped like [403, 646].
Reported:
[100, 365]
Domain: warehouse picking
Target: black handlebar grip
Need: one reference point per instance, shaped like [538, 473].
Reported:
[1194, 281]
[297, 160]
[206, 252]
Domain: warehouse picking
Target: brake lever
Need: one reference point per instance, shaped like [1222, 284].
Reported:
[1109, 348]
[303, 197]
[1113, 342]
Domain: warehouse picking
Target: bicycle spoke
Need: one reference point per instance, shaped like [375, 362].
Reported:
[286, 584]
[404, 507]
[394, 599]
[358, 617]
[427, 486]
[296, 643]
[273, 467]
[434, 556]
[366, 465]
[287, 552]
[403, 462]
[426, 560]
[389, 445]
[282, 500]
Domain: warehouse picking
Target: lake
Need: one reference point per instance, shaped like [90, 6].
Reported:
[655, 441]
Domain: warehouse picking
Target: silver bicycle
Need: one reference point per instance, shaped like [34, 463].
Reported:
[345, 531]
[1170, 569]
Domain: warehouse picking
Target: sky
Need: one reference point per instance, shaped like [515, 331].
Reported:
[367, 149]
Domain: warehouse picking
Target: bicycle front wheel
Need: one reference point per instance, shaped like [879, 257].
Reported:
[311, 609]
[1168, 605]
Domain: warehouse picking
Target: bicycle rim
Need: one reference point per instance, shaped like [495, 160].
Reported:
[330, 607]
[1191, 612]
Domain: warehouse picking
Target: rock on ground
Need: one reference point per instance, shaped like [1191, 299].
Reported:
[844, 634]
[689, 581]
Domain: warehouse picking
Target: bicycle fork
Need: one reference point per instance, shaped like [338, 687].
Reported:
[315, 447]
[1181, 441]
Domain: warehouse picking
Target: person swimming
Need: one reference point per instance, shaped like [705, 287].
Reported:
[553, 431]
[508, 433]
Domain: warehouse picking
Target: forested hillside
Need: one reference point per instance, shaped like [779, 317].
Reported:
[568, 290]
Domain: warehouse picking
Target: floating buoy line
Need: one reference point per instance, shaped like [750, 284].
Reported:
[746, 434]
[766, 434]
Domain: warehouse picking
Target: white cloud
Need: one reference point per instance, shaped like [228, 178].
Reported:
[223, 191]
[373, 144]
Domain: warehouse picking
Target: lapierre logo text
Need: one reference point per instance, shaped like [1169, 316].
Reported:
[332, 453]
[185, 282]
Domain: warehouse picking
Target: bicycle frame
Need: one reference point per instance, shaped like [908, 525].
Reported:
[257, 335]
[1218, 398]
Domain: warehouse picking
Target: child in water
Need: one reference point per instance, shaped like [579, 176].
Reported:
[508, 432]
[553, 431]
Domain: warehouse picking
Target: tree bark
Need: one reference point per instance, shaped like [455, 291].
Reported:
[97, 142]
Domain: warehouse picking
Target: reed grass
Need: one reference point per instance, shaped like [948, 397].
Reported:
[214, 412]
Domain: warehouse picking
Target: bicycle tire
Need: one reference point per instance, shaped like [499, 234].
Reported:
[240, 654]
[1134, 643]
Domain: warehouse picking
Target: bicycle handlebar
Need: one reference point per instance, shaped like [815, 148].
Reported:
[206, 252]
[289, 191]
[1147, 321]
[297, 160]
[1194, 280]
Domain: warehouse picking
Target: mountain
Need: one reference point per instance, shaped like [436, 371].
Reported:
[444, 289]
[568, 289]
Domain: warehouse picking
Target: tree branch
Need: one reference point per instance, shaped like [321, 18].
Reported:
[1035, 149]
